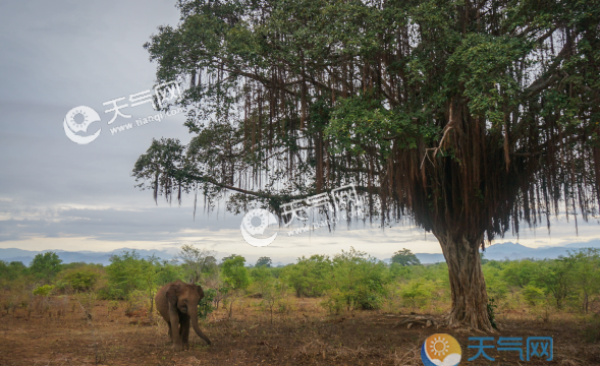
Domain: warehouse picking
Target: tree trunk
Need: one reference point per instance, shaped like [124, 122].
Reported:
[467, 285]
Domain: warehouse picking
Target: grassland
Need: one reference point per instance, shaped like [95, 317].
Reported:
[72, 331]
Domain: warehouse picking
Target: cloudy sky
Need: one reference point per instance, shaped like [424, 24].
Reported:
[56, 194]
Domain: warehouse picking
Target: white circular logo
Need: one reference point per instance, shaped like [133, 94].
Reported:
[255, 223]
[71, 126]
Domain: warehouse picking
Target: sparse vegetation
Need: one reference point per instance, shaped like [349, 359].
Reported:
[349, 285]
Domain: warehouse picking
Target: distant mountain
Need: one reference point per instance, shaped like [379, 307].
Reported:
[427, 258]
[26, 256]
[514, 251]
[588, 244]
[502, 251]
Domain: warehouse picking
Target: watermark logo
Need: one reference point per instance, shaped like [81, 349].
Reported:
[86, 116]
[79, 119]
[441, 350]
[345, 201]
[256, 227]
[540, 347]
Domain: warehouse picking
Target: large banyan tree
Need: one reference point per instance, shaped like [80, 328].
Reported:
[468, 117]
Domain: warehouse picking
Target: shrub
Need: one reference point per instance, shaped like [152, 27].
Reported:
[111, 293]
[361, 279]
[533, 295]
[591, 330]
[405, 257]
[235, 273]
[491, 309]
[262, 278]
[45, 266]
[43, 290]
[334, 302]
[205, 306]
[519, 273]
[137, 301]
[368, 300]
[309, 277]
[272, 296]
[127, 273]
[416, 294]
[81, 279]
[496, 286]
[285, 306]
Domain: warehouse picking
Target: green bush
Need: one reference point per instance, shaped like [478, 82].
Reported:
[309, 277]
[519, 273]
[533, 295]
[334, 302]
[367, 298]
[235, 273]
[45, 266]
[81, 279]
[137, 300]
[11, 271]
[416, 294]
[262, 278]
[361, 279]
[205, 306]
[43, 290]
[111, 293]
[591, 329]
[496, 286]
[491, 309]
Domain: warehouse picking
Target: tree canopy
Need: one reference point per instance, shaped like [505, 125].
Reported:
[470, 117]
[446, 108]
[45, 266]
[264, 261]
[405, 257]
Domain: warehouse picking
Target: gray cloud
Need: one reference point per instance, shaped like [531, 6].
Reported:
[62, 54]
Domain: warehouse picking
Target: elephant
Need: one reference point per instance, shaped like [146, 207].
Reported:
[177, 303]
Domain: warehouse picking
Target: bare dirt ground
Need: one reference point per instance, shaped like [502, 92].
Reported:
[305, 336]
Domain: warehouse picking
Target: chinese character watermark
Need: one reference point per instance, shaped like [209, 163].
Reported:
[342, 201]
[163, 93]
[540, 347]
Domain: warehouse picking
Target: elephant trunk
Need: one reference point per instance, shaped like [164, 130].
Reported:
[194, 319]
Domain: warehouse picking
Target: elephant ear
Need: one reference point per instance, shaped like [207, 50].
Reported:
[173, 293]
[200, 292]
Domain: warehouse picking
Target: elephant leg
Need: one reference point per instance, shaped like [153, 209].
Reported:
[175, 331]
[185, 328]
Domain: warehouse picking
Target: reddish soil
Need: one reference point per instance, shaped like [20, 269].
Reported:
[306, 336]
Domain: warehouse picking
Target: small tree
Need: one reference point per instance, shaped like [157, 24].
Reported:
[556, 278]
[310, 276]
[197, 263]
[264, 262]
[262, 278]
[586, 274]
[519, 273]
[272, 295]
[81, 279]
[127, 272]
[45, 266]
[236, 277]
[405, 257]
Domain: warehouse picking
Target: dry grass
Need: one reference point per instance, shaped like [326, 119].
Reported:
[95, 333]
